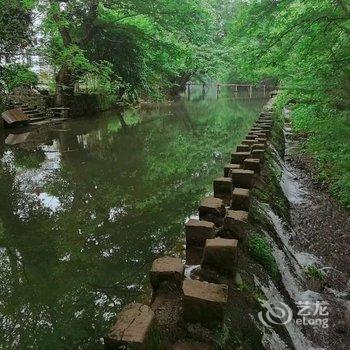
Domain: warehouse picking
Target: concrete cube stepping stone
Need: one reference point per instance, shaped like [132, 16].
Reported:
[167, 272]
[198, 231]
[252, 164]
[240, 199]
[248, 142]
[235, 224]
[229, 167]
[133, 328]
[251, 137]
[220, 255]
[204, 302]
[258, 154]
[243, 148]
[223, 188]
[212, 209]
[262, 140]
[238, 157]
[242, 178]
[258, 146]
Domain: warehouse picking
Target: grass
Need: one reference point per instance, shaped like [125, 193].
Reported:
[313, 271]
[260, 250]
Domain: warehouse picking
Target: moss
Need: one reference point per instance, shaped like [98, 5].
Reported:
[260, 250]
[313, 271]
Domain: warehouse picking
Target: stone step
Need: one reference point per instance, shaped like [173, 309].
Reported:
[204, 302]
[235, 224]
[252, 164]
[223, 188]
[220, 255]
[229, 167]
[198, 231]
[133, 327]
[240, 199]
[238, 157]
[242, 178]
[212, 209]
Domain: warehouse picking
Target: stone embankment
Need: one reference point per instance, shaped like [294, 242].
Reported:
[212, 242]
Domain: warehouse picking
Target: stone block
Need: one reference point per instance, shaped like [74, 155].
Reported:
[251, 137]
[258, 154]
[252, 164]
[166, 272]
[242, 178]
[229, 167]
[243, 148]
[212, 209]
[238, 157]
[204, 302]
[248, 142]
[133, 328]
[220, 255]
[198, 231]
[262, 140]
[235, 224]
[259, 146]
[223, 188]
[240, 199]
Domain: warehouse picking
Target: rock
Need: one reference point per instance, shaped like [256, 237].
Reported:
[242, 178]
[235, 224]
[212, 209]
[168, 272]
[133, 328]
[220, 255]
[204, 302]
[229, 167]
[238, 157]
[223, 188]
[240, 199]
[243, 148]
[252, 164]
[198, 231]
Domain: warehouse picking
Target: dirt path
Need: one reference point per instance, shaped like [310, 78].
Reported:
[322, 228]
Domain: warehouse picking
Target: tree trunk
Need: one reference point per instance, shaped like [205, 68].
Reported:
[64, 87]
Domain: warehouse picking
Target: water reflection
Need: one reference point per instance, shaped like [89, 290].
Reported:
[87, 205]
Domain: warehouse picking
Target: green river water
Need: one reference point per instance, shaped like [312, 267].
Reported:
[88, 204]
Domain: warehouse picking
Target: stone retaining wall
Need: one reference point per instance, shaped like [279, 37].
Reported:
[215, 239]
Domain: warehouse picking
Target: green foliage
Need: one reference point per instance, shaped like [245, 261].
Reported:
[260, 250]
[17, 75]
[304, 45]
[314, 272]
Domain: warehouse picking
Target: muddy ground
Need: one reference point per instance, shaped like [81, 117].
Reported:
[322, 228]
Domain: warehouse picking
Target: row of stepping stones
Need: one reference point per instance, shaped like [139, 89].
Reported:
[201, 302]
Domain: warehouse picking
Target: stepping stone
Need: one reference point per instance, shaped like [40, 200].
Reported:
[240, 199]
[251, 137]
[212, 209]
[167, 272]
[220, 255]
[262, 140]
[229, 167]
[191, 345]
[238, 157]
[243, 148]
[197, 232]
[248, 142]
[258, 146]
[242, 178]
[252, 164]
[258, 154]
[223, 188]
[133, 327]
[235, 224]
[204, 302]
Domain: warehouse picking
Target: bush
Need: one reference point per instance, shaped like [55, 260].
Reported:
[17, 75]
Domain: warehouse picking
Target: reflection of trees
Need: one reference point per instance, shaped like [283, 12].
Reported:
[152, 175]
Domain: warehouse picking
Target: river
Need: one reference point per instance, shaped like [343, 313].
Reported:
[88, 204]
